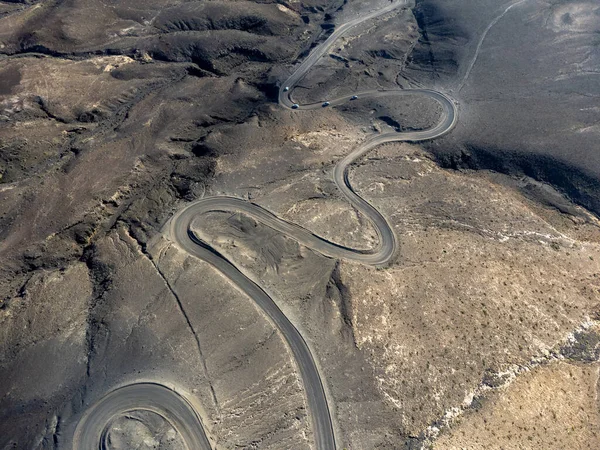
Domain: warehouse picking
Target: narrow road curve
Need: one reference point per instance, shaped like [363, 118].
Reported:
[179, 230]
[93, 430]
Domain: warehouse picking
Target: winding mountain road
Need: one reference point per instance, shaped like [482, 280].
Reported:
[179, 230]
[93, 430]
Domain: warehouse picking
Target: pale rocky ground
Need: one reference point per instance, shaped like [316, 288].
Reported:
[554, 406]
[141, 430]
[481, 283]
[486, 281]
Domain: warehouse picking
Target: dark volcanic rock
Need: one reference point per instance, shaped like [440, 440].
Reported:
[217, 51]
[441, 37]
[264, 19]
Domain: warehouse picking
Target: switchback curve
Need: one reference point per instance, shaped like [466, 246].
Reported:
[179, 228]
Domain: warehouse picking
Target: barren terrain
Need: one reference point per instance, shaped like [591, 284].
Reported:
[478, 329]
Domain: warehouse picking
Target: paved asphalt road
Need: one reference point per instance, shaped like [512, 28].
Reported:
[168, 402]
[92, 432]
